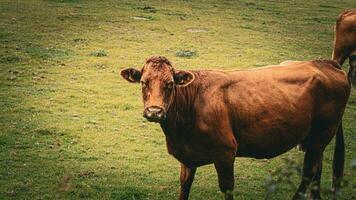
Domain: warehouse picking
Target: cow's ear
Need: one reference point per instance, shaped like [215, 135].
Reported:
[183, 78]
[132, 75]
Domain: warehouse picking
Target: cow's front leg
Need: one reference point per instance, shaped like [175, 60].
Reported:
[186, 180]
[224, 166]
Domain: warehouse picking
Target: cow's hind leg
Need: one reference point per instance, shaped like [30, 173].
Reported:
[225, 170]
[339, 159]
[186, 180]
[311, 170]
[315, 189]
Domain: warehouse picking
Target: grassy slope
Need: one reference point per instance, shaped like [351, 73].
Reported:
[70, 127]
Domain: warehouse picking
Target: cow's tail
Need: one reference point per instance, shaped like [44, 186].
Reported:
[339, 158]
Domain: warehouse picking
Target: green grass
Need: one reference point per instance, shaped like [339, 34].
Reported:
[71, 128]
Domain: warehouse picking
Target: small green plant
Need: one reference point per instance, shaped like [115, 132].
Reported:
[186, 53]
[99, 53]
[284, 175]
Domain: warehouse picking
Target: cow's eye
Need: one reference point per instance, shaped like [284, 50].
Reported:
[144, 84]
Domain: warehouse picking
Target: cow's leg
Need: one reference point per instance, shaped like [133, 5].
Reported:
[311, 170]
[315, 190]
[225, 170]
[186, 180]
[339, 159]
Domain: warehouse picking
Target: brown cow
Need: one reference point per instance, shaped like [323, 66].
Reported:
[345, 41]
[214, 116]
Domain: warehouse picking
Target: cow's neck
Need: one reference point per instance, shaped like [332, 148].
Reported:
[181, 113]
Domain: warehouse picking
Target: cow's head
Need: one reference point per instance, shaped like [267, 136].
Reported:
[158, 79]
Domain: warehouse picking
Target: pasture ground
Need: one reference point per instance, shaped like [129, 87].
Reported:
[71, 128]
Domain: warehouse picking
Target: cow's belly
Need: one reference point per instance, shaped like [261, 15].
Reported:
[272, 137]
[266, 150]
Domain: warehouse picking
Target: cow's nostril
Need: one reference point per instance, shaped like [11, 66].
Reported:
[154, 113]
[154, 109]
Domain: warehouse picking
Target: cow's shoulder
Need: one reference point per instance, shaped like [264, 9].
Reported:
[330, 72]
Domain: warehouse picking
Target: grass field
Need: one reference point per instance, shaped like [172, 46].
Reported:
[71, 127]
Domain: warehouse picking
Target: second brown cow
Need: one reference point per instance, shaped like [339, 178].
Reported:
[345, 41]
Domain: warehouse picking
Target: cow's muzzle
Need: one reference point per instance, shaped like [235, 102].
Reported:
[154, 114]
